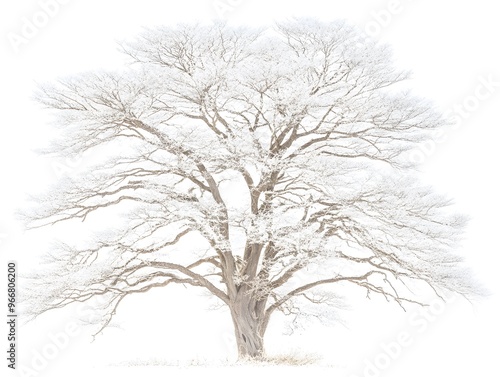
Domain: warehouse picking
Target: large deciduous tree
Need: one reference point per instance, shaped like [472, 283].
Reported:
[243, 157]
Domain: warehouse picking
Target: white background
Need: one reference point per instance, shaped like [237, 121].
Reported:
[452, 49]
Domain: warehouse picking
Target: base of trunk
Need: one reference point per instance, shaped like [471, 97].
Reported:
[250, 347]
[248, 339]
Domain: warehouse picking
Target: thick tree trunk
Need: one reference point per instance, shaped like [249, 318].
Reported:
[248, 328]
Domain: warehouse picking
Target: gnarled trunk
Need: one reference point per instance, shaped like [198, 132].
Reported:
[248, 327]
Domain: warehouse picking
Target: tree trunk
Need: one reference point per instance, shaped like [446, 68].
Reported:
[247, 321]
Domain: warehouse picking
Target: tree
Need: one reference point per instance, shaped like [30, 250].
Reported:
[243, 157]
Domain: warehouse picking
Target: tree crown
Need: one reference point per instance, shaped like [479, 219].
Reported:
[245, 156]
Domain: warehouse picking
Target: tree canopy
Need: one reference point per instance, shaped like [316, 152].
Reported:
[244, 156]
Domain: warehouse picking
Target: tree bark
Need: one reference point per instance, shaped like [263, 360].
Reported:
[248, 327]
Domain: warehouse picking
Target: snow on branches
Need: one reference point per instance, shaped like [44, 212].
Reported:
[244, 156]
